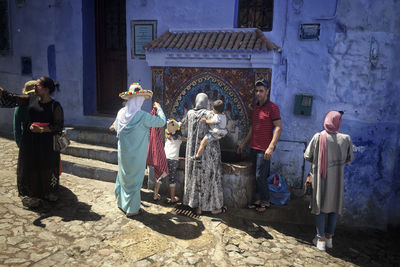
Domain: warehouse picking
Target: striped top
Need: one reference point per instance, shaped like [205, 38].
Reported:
[263, 126]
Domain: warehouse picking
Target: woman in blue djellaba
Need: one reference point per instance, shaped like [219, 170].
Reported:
[133, 129]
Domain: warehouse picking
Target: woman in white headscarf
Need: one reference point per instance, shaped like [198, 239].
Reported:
[133, 128]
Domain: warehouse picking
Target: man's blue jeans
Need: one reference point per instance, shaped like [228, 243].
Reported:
[320, 223]
[261, 170]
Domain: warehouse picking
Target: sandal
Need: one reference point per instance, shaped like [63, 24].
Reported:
[263, 207]
[157, 197]
[174, 200]
[253, 205]
[219, 211]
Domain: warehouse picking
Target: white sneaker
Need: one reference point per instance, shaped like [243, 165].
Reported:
[319, 244]
[328, 242]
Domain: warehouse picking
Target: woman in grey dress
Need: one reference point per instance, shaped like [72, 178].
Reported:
[203, 179]
[328, 151]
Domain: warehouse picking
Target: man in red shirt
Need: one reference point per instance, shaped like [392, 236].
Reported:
[263, 135]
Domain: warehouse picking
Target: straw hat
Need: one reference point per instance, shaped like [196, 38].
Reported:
[136, 90]
[172, 126]
[29, 87]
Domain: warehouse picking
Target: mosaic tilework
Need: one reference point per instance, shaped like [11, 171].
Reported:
[234, 86]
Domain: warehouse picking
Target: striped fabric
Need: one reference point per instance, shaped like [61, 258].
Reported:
[156, 154]
[263, 126]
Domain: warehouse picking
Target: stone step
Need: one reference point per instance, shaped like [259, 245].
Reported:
[92, 135]
[89, 168]
[96, 152]
[93, 169]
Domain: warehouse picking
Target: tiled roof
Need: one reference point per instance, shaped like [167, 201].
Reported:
[218, 40]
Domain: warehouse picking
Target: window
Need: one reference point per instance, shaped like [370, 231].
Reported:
[5, 45]
[256, 14]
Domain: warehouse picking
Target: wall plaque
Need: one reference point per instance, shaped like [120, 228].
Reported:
[143, 32]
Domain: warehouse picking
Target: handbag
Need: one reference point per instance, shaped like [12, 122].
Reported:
[60, 141]
[279, 193]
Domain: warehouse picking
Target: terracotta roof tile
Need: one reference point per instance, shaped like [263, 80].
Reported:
[229, 40]
[252, 41]
[227, 36]
[205, 41]
[238, 41]
[199, 41]
[232, 40]
[212, 40]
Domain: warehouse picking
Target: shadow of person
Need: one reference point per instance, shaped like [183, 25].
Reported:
[66, 207]
[185, 228]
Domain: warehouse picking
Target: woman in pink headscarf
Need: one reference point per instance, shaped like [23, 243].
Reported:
[328, 151]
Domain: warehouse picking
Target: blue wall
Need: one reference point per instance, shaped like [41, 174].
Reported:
[351, 67]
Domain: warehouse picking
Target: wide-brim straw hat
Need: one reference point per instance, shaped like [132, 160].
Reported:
[29, 87]
[172, 126]
[136, 90]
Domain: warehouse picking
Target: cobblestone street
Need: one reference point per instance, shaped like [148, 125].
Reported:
[85, 228]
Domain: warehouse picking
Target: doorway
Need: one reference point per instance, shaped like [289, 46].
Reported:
[111, 73]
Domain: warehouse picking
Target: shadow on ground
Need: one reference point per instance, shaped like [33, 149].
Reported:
[67, 207]
[170, 224]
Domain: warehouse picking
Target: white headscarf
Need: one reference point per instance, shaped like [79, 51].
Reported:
[126, 113]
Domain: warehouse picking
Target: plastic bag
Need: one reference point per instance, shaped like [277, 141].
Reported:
[278, 191]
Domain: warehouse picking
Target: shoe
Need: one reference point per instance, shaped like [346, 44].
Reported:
[319, 244]
[328, 242]
[132, 215]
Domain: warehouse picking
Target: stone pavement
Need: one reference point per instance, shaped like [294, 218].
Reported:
[85, 228]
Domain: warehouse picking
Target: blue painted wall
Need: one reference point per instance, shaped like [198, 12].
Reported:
[350, 68]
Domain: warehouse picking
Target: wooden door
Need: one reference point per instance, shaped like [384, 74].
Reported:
[111, 72]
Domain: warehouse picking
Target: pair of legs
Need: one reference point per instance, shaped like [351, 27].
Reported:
[172, 167]
[261, 170]
[320, 225]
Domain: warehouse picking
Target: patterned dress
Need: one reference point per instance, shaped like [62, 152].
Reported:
[203, 180]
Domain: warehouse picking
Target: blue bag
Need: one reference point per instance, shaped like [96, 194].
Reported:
[278, 191]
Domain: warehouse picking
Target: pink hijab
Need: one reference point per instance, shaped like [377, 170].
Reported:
[331, 125]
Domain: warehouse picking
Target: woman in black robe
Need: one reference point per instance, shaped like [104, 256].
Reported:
[38, 164]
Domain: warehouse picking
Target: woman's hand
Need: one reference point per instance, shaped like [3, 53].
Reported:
[156, 105]
[203, 120]
[36, 129]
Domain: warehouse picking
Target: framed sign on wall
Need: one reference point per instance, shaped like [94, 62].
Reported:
[310, 31]
[142, 32]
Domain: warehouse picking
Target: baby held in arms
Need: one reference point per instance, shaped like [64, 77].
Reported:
[217, 125]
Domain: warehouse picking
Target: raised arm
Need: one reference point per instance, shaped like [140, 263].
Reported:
[9, 100]
[155, 121]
